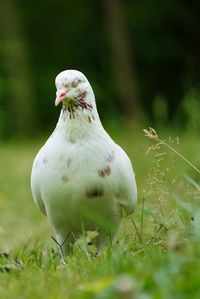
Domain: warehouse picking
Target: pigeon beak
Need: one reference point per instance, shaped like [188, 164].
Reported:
[60, 97]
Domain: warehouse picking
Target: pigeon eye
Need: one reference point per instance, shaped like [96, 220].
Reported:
[75, 82]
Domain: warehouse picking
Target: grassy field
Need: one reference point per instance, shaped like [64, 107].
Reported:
[157, 252]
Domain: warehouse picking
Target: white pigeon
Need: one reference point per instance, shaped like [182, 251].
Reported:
[81, 179]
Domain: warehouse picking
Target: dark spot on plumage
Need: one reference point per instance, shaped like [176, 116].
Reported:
[104, 171]
[83, 94]
[69, 161]
[71, 109]
[96, 192]
[65, 179]
[64, 116]
[79, 102]
[44, 160]
[84, 105]
[71, 140]
[90, 118]
[110, 157]
[75, 82]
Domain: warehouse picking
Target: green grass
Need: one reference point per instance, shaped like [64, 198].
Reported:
[157, 253]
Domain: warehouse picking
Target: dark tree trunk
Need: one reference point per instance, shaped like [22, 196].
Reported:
[20, 89]
[121, 55]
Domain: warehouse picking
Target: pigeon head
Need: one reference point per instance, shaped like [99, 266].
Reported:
[72, 88]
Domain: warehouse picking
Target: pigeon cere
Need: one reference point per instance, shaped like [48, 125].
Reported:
[81, 179]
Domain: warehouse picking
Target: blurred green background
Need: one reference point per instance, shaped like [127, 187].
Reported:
[141, 57]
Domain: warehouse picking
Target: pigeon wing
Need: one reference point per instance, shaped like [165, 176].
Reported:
[36, 194]
[127, 189]
[39, 203]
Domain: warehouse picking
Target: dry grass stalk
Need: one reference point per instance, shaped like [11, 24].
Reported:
[152, 134]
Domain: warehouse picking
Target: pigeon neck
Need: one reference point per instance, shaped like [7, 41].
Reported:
[78, 122]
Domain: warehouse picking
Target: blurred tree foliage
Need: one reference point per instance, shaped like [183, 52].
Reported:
[133, 52]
